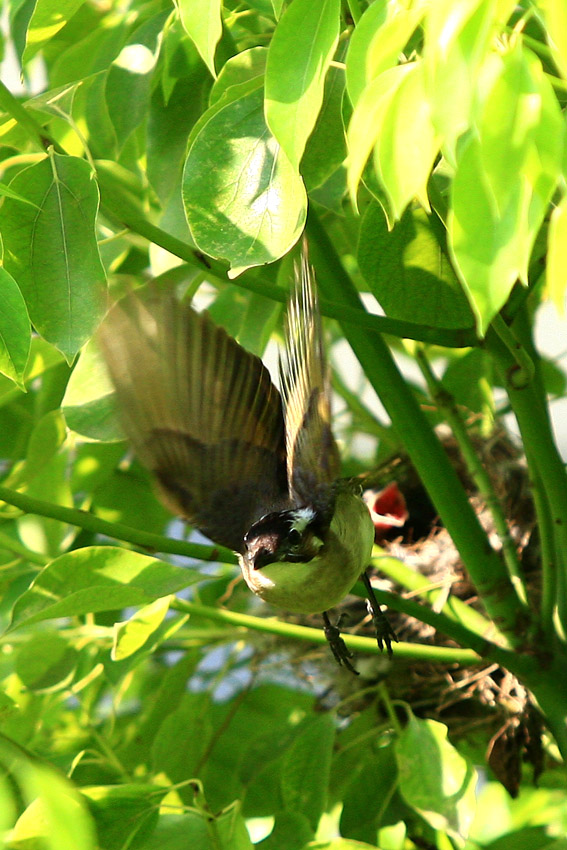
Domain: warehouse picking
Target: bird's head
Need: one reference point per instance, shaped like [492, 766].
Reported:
[292, 535]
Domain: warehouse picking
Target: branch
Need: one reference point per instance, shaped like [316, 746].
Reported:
[90, 522]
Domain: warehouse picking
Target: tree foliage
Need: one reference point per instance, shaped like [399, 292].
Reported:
[421, 147]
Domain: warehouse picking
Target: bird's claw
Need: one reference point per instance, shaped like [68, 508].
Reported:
[340, 650]
[384, 631]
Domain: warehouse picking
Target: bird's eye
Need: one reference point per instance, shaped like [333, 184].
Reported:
[294, 537]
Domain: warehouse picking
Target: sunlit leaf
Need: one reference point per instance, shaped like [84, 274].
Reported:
[377, 41]
[506, 173]
[202, 22]
[434, 778]
[243, 200]
[298, 58]
[98, 578]
[47, 19]
[407, 143]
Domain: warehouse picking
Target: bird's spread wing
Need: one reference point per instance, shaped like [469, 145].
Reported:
[312, 456]
[201, 412]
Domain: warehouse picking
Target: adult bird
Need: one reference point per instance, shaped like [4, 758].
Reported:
[254, 470]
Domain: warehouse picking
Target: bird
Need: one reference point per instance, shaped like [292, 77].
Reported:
[254, 469]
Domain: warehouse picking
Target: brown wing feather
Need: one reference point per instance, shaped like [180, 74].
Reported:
[201, 412]
[312, 456]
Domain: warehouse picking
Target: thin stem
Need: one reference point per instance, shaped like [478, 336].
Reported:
[10, 544]
[541, 450]
[431, 462]
[295, 632]
[144, 539]
[482, 480]
[525, 369]
[453, 608]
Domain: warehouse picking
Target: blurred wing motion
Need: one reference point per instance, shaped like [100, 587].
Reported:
[201, 412]
[313, 462]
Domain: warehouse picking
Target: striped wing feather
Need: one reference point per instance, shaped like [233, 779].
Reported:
[202, 414]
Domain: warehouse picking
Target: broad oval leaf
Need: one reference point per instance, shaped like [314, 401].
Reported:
[52, 252]
[434, 778]
[15, 330]
[98, 578]
[300, 52]
[243, 199]
[407, 271]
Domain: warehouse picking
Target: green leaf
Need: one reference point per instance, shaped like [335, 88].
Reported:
[326, 147]
[434, 778]
[46, 662]
[98, 578]
[248, 65]
[290, 830]
[129, 79]
[8, 192]
[367, 798]
[48, 17]
[555, 17]
[56, 817]
[243, 200]
[172, 114]
[300, 52]
[458, 36]
[377, 41]
[201, 830]
[46, 439]
[132, 634]
[306, 769]
[408, 272]
[53, 254]
[556, 270]
[366, 119]
[506, 174]
[50, 482]
[88, 403]
[202, 22]
[407, 143]
[125, 815]
[183, 738]
[15, 330]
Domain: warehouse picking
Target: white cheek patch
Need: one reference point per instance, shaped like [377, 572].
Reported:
[301, 519]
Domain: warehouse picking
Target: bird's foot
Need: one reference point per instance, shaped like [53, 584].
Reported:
[339, 648]
[384, 631]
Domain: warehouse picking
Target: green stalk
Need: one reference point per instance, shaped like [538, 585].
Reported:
[485, 567]
[294, 632]
[10, 544]
[541, 451]
[90, 522]
[482, 480]
[454, 608]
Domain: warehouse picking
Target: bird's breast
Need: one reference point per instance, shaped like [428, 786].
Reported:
[319, 584]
